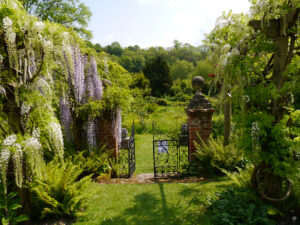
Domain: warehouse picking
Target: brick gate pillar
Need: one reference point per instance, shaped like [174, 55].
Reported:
[199, 114]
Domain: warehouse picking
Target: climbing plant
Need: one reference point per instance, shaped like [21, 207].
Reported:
[261, 68]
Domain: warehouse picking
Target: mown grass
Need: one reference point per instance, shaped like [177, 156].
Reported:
[166, 118]
[151, 204]
[144, 153]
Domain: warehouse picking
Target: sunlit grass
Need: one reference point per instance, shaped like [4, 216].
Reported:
[144, 153]
[166, 118]
[151, 204]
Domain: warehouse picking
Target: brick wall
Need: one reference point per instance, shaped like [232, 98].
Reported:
[200, 123]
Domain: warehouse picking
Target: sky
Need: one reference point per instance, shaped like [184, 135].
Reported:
[157, 22]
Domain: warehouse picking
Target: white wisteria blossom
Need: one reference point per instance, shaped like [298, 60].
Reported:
[36, 133]
[39, 25]
[25, 108]
[7, 22]
[4, 159]
[255, 134]
[10, 140]
[56, 139]
[18, 163]
[32, 149]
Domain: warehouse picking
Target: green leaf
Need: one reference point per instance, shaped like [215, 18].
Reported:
[273, 211]
[21, 218]
[14, 206]
[5, 221]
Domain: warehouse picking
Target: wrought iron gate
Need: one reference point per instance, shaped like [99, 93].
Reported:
[169, 154]
[131, 153]
[126, 157]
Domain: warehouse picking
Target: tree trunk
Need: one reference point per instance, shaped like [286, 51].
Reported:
[227, 120]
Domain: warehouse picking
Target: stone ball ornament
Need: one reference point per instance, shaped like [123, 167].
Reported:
[198, 101]
[197, 83]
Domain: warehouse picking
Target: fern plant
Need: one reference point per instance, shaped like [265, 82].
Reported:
[241, 177]
[59, 192]
[213, 155]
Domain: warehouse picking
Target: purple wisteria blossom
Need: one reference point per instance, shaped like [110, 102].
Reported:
[66, 118]
[91, 136]
[78, 75]
[98, 89]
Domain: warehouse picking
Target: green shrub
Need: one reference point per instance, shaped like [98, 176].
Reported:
[94, 162]
[58, 191]
[162, 102]
[218, 126]
[241, 177]
[239, 207]
[214, 156]
[10, 205]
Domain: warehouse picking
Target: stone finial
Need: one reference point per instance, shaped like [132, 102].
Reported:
[197, 83]
[198, 101]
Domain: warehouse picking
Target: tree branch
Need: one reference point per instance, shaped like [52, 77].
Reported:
[268, 66]
[39, 70]
[4, 131]
[291, 49]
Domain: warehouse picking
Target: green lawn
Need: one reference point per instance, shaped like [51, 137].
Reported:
[144, 153]
[151, 204]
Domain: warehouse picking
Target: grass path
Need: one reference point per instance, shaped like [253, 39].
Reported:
[150, 204]
[143, 153]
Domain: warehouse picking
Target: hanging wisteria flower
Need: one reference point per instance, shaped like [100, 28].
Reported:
[32, 149]
[48, 44]
[105, 66]
[98, 89]
[255, 134]
[43, 87]
[36, 133]
[66, 118]
[4, 159]
[18, 163]
[39, 25]
[91, 137]
[25, 108]
[7, 22]
[10, 140]
[119, 125]
[56, 139]
[78, 75]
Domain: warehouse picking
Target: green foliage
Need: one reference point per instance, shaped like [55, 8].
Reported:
[182, 90]
[239, 207]
[181, 69]
[241, 177]
[217, 126]
[58, 191]
[74, 14]
[158, 73]
[141, 82]
[94, 162]
[161, 102]
[214, 156]
[10, 205]
[114, 49]
[118, 94]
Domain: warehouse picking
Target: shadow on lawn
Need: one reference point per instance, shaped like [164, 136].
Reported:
[151, 210]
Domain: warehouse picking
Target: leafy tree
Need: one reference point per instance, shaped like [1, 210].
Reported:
[70, 13]
[126, 62]
[259, 65]
[141, 82]
[181, 69]
[158, 73]
[115, 49]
